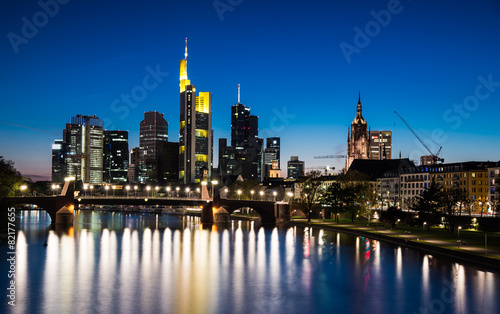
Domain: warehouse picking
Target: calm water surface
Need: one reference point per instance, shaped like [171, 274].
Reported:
[146, 263]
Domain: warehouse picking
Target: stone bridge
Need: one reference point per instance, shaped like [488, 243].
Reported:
[270, 212]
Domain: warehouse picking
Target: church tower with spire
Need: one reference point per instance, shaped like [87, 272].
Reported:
[358, 138]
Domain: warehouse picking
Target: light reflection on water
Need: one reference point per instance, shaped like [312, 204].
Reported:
[144, 263]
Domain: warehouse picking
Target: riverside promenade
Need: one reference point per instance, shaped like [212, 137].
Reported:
[461, 250]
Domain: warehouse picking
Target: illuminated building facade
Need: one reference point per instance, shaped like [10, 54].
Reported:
[84, 148]
[295, 168]
[494, 188]
[115, 156]
[471, 177]
[358, 140]
[380, 145]
[58, 161]
[195, 130]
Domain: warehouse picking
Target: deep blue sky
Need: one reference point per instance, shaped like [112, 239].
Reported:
[287, 57]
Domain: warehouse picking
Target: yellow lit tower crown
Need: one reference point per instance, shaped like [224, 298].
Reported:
[183, 76]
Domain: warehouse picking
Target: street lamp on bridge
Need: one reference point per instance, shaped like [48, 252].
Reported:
[128, 190]
[148, 188]
[177, 190]
[23, 188]
[214, 182]
[107, 189]
[274, 193]
[188, 192]
[135, 190]
[261, 194]
[239, 194]
[251, 193]
[168, 191]
[113, 187]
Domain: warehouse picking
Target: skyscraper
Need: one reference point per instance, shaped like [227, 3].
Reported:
[358, 140]
[58, 161]
[84, 148]
[274, 142]
[115, 156]
[153, 135]
[295, 168]
[195, 133]
[380, 145]
[245, 143]
[153, 131]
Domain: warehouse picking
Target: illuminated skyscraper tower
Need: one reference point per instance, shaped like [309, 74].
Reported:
[195, 130]
[84, 148]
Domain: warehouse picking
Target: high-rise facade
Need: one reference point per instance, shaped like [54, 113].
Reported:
[152, 133]
[115, 156]
[58, 161]
[295, 168]
[195, 134]
[246, 147]
[274, 142]
[380, 145]
[83, 137]
[358, 139]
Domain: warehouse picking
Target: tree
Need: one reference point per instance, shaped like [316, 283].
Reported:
[309, 191]
[429, 202]
[495, 206]
[449, 200]
[10, 178]
[358, 194]
[464, 201]
[334, 197]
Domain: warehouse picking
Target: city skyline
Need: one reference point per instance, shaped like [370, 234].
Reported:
[436, 64]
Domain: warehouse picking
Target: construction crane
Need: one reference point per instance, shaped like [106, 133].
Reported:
[329, 156]
[435, 157]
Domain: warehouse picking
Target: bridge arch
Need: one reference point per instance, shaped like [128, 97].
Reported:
[268, 211]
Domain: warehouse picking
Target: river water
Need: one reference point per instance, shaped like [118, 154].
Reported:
[146, 263]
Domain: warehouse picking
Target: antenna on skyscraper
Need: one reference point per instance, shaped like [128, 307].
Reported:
[238, 93]
[186, 50]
